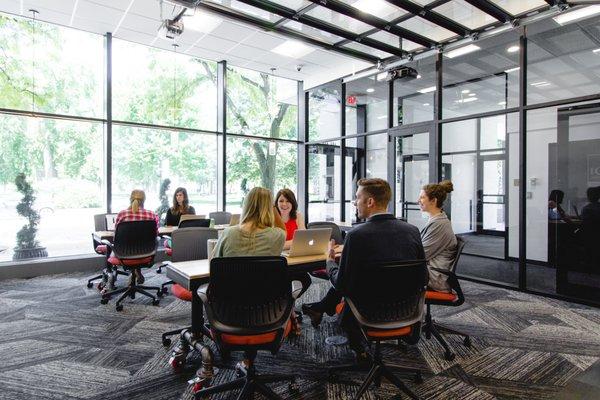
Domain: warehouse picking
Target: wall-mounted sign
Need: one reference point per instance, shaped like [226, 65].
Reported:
[593, 167]
[351, 100]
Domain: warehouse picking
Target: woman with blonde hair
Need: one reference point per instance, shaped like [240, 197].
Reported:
[261, 231]
[439, 241]
[136, 212]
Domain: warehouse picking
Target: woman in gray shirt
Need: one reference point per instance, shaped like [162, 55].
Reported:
[437, 236]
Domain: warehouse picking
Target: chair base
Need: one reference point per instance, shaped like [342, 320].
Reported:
[165, 336]
[250, 383]
[433, 328]
[130, 291]
[377, 370]
[107, 276]
[163, 287]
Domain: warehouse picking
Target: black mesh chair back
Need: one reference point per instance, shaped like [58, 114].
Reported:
[220, 217]
[135, 239]
[249, 294]
[191, 243]
[336, 232]
[389, 292]
[460, 245]
[195, 223]
[100, 222]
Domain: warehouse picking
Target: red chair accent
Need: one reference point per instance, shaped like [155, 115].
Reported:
[130, 263]
[181, 293]
[442, 296]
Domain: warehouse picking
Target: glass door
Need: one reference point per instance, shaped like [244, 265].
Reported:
[412, 172]
[491, 195]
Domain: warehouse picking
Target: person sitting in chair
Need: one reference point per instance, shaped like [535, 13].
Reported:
[381, 238]
[437, 236]
[136, 212]
[181, 206]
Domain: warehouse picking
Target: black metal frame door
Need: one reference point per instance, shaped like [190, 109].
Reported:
[481, 195]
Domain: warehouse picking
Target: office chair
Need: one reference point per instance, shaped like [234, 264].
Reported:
[454, 299]
[186, 221]
[248, 304]
[220, 217]
[133, 248]
[101, 249]
[194, 223]
[188, 244]
[387, 304]
[336, 234]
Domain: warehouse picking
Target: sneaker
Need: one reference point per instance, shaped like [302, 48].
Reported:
[315, 315]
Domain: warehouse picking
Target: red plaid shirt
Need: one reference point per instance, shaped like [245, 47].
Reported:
[141, 215]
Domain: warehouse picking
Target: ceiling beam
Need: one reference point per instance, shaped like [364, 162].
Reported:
[269, 26]
[431, 16]
[372, 20]
[301, 11]
[323, 26]
[491, 9]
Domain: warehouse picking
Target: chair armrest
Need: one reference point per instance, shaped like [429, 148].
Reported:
[108, 245]
[203, 293]
[296, 289]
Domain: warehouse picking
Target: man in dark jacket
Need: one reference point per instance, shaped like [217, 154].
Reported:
[381, 238]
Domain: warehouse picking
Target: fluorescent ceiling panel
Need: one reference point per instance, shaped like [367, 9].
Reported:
[293, 49]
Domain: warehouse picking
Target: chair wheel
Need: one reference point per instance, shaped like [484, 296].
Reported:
[90, 284]
[155, 302]
[198, 386]
[166, 342]
[132, 295]
[103, 301]
[99, 286]
[159, 293]
[119, 307]
[467, 341]
[418, 378]
[293, 387]
[159, 271]
[164, 290]
[449, 356]
[176, 363]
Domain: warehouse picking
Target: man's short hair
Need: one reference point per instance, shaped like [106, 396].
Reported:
[378, 189]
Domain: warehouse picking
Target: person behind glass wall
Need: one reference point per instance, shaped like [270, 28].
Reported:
[181, 206]
[439, 241]
[136, 212]
[590, 227]
[555, 210]
[287, 206]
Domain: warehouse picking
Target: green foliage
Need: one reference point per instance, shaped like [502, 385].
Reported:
[26, 236]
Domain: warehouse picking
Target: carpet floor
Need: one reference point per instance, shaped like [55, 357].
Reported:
[58, 342]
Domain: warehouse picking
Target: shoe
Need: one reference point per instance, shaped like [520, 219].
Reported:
[315, 315]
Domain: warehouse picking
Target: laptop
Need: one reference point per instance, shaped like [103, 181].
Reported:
[110, 221]
[309, 242]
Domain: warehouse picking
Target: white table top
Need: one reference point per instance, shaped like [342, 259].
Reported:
[163, 230]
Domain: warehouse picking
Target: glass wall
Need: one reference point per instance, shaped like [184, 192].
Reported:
[413, 97]
[563, 186]
[377, 156]
[260, 104]
[324, 181]
[164, 132]
[251, 163]
[366, 105]
[324, 112]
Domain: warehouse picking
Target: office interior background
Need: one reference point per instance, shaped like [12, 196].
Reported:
[89, 115]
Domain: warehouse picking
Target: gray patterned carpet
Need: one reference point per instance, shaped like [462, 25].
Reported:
[58, 342]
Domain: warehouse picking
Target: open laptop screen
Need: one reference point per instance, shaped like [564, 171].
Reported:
[110, 221]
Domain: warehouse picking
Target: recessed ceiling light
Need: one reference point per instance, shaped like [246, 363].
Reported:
[382, 76]
[513, 49]
[382, 117]
[466, 91]
[502, 103]
[201, 22]
[596, 51]
[578, 14]
[467, 100]
[425, 104]
[370, 90]
[418, 76]
[427, 90]
[370, 6]
[462, 51]
[293, 49]
[472, 94]
[540, 83]
[512, 70]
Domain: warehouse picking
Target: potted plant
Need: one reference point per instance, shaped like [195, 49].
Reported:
[27, 245]
[161, 211]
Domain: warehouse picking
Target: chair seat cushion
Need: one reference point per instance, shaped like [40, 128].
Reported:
[250, 340]
[130, 262]
[101, 249]
[181, 293]
[340, 307]
[389, 333]
[169, 251]
[443, 296]
[320, 273]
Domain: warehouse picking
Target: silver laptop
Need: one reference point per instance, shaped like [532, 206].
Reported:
[309, 242]
[110, 221]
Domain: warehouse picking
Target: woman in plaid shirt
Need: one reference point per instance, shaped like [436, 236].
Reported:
[136, 212]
